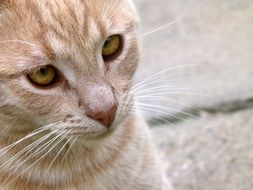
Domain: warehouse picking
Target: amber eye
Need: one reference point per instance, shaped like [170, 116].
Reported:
[43, 76]
[112, 47]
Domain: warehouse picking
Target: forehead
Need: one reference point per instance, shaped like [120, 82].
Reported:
[66, 14]
[58, 24]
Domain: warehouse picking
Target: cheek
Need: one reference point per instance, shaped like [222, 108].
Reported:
[130, 63]
[121, 75]
[42, 105]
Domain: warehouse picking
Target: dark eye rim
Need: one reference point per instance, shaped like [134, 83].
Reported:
[118, 52]
[49, 85]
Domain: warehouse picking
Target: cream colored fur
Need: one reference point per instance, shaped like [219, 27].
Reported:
[38, 147]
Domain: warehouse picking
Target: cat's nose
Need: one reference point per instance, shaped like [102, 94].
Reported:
[104, 116]
[98, 99]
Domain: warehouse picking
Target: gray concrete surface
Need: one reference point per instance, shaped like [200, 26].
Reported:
[211, 146]
[212, 155]
[215, 35]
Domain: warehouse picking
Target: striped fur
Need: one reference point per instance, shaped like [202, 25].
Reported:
[69, 34]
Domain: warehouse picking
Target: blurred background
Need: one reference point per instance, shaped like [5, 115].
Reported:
[200, 105]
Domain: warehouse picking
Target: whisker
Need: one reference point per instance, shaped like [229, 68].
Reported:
[161, 86]
[55, 158]
[159, 81]
[165, 99]
[33, 133]
[42, 157]
[117, 10]
[153, 83]
[173, 92]
[31, 147]
[160, 89]
[9, 127]
[107, 9]
[69, 149]
[152, 77]
[169, 109]
[163, 112]
[161, 27]
[153, 115]
[17, 165]
[43, 147]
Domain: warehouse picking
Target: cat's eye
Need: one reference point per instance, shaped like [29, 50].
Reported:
[43, 76]
[112, 47]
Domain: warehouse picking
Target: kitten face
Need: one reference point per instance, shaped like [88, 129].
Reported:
[89, 93]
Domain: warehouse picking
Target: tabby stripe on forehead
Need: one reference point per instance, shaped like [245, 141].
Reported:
[55, 29]
[72, 32]
[42, 31]
[71, 10]
[69, 27]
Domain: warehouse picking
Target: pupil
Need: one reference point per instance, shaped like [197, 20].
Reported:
[43, 71]
[107, 42]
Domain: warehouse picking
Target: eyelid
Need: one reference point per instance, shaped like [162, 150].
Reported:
[27, 68]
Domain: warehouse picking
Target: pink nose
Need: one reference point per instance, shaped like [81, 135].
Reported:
[105, 116]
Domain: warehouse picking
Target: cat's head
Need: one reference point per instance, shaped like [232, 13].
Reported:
[66, 64]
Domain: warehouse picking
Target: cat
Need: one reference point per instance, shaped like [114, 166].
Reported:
[67, 114]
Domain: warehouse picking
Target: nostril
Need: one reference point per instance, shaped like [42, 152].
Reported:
[106, 116]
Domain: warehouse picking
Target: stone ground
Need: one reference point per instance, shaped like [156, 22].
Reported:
[202, 123]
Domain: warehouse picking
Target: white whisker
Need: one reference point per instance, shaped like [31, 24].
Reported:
[168, 109]
[159, 117]
[33, 133]
[118, 9]
[42, 157]
[173, 92]
[69, 149]
[161, 27]
[164, 99]
[56, 156]
[163, 112]
[159, 89]
[30, 148]
[158, 82]
[43, 147]
[157, 75]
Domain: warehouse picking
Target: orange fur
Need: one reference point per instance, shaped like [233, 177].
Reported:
[69, 34]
